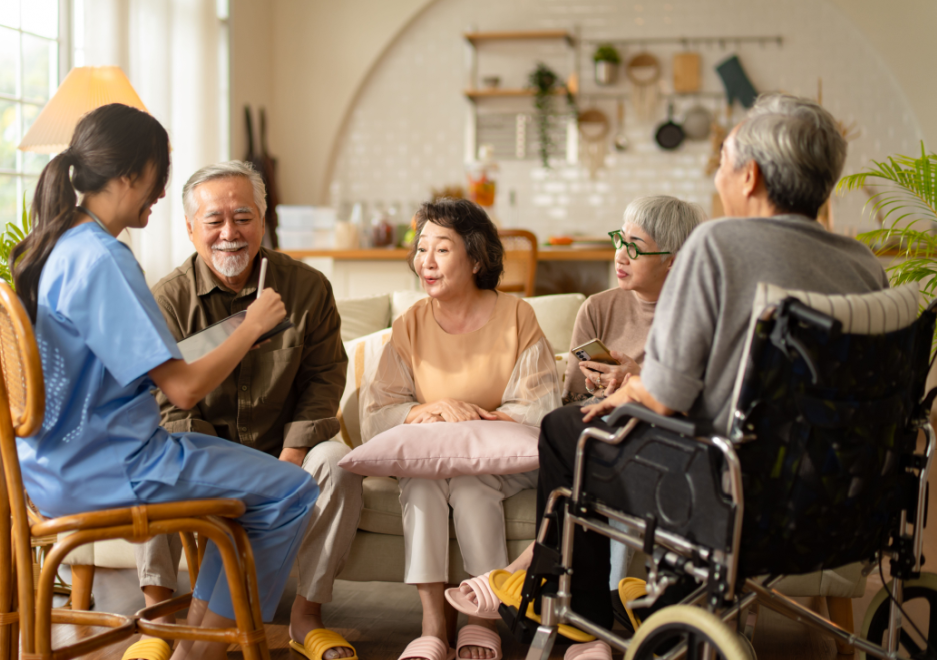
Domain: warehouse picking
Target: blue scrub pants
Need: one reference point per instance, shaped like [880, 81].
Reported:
[279, 498]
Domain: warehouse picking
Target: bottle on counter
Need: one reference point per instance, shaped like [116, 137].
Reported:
[382, 231]
[482, 177]
[359, 220]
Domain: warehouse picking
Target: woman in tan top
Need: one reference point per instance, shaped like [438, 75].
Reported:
[464, 353]
[653, 231]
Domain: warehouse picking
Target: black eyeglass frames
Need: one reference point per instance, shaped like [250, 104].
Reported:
[633, 252]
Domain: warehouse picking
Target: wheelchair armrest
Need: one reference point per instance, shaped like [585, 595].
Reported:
[677, 424]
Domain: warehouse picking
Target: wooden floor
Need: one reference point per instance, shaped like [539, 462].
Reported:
[381, 618]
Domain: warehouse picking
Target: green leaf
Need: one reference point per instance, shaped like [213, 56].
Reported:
[903, 194]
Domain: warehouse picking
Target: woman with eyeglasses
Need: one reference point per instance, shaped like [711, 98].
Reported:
[653, 230]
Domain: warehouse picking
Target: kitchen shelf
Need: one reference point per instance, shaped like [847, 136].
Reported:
[475, 93]
[505, 93]
[520, 35]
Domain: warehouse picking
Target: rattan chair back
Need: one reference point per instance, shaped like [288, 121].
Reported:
[22, 366]
[22, 401]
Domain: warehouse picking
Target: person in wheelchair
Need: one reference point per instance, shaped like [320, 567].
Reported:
[778, 167]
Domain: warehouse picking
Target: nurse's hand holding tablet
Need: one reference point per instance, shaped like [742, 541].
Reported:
[185, 384]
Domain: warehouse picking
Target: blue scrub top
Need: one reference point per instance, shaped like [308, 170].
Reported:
[99, 333]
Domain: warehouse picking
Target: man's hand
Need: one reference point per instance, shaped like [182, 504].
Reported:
[608, 404]
[633, 390]
[294, 455]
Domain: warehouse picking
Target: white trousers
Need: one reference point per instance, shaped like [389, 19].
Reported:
[478, 514]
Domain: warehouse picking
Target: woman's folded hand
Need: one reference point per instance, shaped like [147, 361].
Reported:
[448, 410]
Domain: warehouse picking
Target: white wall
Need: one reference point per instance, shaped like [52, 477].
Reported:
[319, 56]
[305, 60]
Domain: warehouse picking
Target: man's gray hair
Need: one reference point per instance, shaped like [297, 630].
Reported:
[799, 150]
[666, 219]
[231, 168]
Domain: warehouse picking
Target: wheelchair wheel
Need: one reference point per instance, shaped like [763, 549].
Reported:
[875, 625]
[747, 645]
[684, 623]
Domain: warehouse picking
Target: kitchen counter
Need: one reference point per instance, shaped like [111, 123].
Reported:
[546, 253]
[366, 272]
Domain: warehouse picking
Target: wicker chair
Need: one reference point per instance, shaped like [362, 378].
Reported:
[520, 261]
[28, 608]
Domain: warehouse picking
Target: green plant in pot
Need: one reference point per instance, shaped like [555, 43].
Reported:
[545, 83]
[606, 60]
[9, 237]
[904, 198]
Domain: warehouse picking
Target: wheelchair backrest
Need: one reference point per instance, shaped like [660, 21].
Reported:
[827, 405]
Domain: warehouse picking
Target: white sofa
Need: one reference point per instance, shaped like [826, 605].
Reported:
[377, 551]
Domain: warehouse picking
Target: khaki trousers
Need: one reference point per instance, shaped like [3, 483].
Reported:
[325, 546]
[478, 515]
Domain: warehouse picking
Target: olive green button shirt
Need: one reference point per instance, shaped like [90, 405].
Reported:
[284, 393]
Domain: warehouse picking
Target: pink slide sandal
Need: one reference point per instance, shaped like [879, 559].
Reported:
[475, 598]
[431, 648]
[597, 650]
[478, 636]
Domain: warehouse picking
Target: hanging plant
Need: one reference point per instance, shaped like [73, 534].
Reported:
[545, 84]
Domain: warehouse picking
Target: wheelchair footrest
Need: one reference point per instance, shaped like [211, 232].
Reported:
[522, 628]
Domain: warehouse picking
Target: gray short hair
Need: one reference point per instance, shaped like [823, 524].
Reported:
[231, 168]
[799, 150]
[666, 219]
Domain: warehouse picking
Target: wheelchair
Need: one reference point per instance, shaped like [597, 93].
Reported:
[820, 469]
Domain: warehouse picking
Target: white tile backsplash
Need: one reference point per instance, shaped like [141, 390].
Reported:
[406, 131]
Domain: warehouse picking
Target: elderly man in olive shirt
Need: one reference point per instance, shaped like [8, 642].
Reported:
[283, 397]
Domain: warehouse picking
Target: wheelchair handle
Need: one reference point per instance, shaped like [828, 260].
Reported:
[681, 425]
[812, 317]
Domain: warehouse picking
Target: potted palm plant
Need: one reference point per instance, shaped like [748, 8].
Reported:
[606, 60]
[904, 198]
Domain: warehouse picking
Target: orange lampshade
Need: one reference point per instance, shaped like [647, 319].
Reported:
[84, 89]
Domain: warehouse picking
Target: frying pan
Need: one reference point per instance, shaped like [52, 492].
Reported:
[669, 135]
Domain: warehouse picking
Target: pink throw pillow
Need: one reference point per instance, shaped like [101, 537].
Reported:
[447, 449]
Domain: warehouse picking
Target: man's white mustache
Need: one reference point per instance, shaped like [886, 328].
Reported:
[226, 246]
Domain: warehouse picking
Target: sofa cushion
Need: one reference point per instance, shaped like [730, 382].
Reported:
[382, 514]
[362, 316]
[401, 301]
[557, 316]
[362, 353]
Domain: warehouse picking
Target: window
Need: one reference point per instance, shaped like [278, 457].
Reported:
[32, 48]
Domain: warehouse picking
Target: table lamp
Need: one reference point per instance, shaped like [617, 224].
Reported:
[84, 89]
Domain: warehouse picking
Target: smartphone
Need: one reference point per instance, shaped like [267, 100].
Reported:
[595, 351]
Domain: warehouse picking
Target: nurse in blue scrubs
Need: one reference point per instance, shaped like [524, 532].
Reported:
[105, 346]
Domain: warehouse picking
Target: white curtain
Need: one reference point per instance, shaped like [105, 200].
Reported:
[174, 52]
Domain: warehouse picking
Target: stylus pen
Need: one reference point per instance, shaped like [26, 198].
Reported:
[263, 276]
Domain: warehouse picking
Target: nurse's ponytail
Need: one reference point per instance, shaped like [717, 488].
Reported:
[110, 142]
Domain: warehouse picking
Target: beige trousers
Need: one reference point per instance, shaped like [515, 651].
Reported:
[325, 546]
[478, 515]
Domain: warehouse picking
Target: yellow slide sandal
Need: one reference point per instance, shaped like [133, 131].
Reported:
[508, 589]
[319, 641]
[631, 589]
[151, 648]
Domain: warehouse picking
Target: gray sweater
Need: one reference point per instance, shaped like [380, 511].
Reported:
[696, 340]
